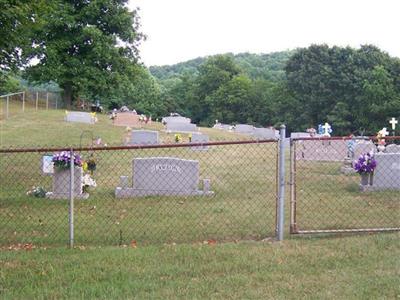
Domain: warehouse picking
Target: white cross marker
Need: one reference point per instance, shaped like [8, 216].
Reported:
[393, 121]
[327, 129]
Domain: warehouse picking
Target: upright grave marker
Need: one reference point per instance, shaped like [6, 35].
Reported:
[163, 176]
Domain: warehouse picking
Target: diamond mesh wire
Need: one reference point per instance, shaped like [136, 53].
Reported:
[327, 195]
[225, 192]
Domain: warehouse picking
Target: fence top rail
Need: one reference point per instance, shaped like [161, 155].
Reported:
[12, 94]
[344, 138]
[110, 148]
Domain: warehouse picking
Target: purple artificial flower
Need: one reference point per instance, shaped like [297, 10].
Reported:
[366, 163]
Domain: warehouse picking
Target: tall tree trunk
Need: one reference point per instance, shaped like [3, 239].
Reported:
[67, 95]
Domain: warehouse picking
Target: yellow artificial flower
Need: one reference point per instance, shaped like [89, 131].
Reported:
[84, 166]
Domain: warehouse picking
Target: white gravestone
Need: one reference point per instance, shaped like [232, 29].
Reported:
[165, 176]
[47, 164]
[199, 138]
[299, 135]
[387, 172]
[244, 129]
[221, 126]
[79, 117]
[175, 120]
[144, 137]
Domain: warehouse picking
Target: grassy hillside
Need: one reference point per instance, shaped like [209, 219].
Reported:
[34, 261]
[48, 128]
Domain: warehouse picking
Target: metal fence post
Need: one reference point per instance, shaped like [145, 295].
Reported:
[47, 100]
[281, 176]
[23, 102]
[7, 106]
[71, 200]
[37, 100]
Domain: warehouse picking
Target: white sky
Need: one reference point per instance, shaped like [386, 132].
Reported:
[179, 30]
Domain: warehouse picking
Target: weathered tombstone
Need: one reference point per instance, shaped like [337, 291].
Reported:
[244, 129]
[126, 119]
[61, 184]
[299, 135]
[181, 127]
[387, 173]
[321, 150]
[265, 133]
[221, 126]
[392, 148]
[163, 176]
[362, 147]
[79, 117]
[175, 119]
[144, 137]
[199, 138]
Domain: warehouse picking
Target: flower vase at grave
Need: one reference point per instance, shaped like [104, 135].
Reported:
[367, 179]
[364, 179]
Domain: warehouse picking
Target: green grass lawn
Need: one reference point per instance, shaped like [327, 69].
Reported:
[347, 267]
[243, 178]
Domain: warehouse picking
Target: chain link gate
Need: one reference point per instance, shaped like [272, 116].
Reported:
[325, 191]
[233, 195]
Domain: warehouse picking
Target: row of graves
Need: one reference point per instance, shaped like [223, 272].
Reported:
[353, 150]
[151, 176]
[250, 130]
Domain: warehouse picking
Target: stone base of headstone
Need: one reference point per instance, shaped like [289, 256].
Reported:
[347, 167]
[123, 191]
[61, 184]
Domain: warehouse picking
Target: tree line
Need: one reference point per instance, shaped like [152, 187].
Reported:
[90, 50]
[356, 90]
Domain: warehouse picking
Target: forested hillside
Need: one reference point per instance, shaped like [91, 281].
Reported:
[265, 66]
[95, 55]
[353, 89]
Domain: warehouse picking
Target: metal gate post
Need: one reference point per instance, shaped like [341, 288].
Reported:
[71, 200]
[281, 176]
[293, 225]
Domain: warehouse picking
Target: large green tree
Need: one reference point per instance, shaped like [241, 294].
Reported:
[86, 46]
[17, 19]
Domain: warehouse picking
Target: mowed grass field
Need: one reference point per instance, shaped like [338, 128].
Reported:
[210, 259]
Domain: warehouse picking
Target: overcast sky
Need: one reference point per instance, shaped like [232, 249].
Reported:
[179, 30]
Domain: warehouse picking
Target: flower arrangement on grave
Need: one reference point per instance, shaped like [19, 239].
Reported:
[62, 160]
[90, 165]
[178, 138]
[87, 183]
[365, 164]
[37, 191]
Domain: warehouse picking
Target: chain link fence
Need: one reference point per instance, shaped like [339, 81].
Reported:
[152, 194]
[329, 195]
[27, 101]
